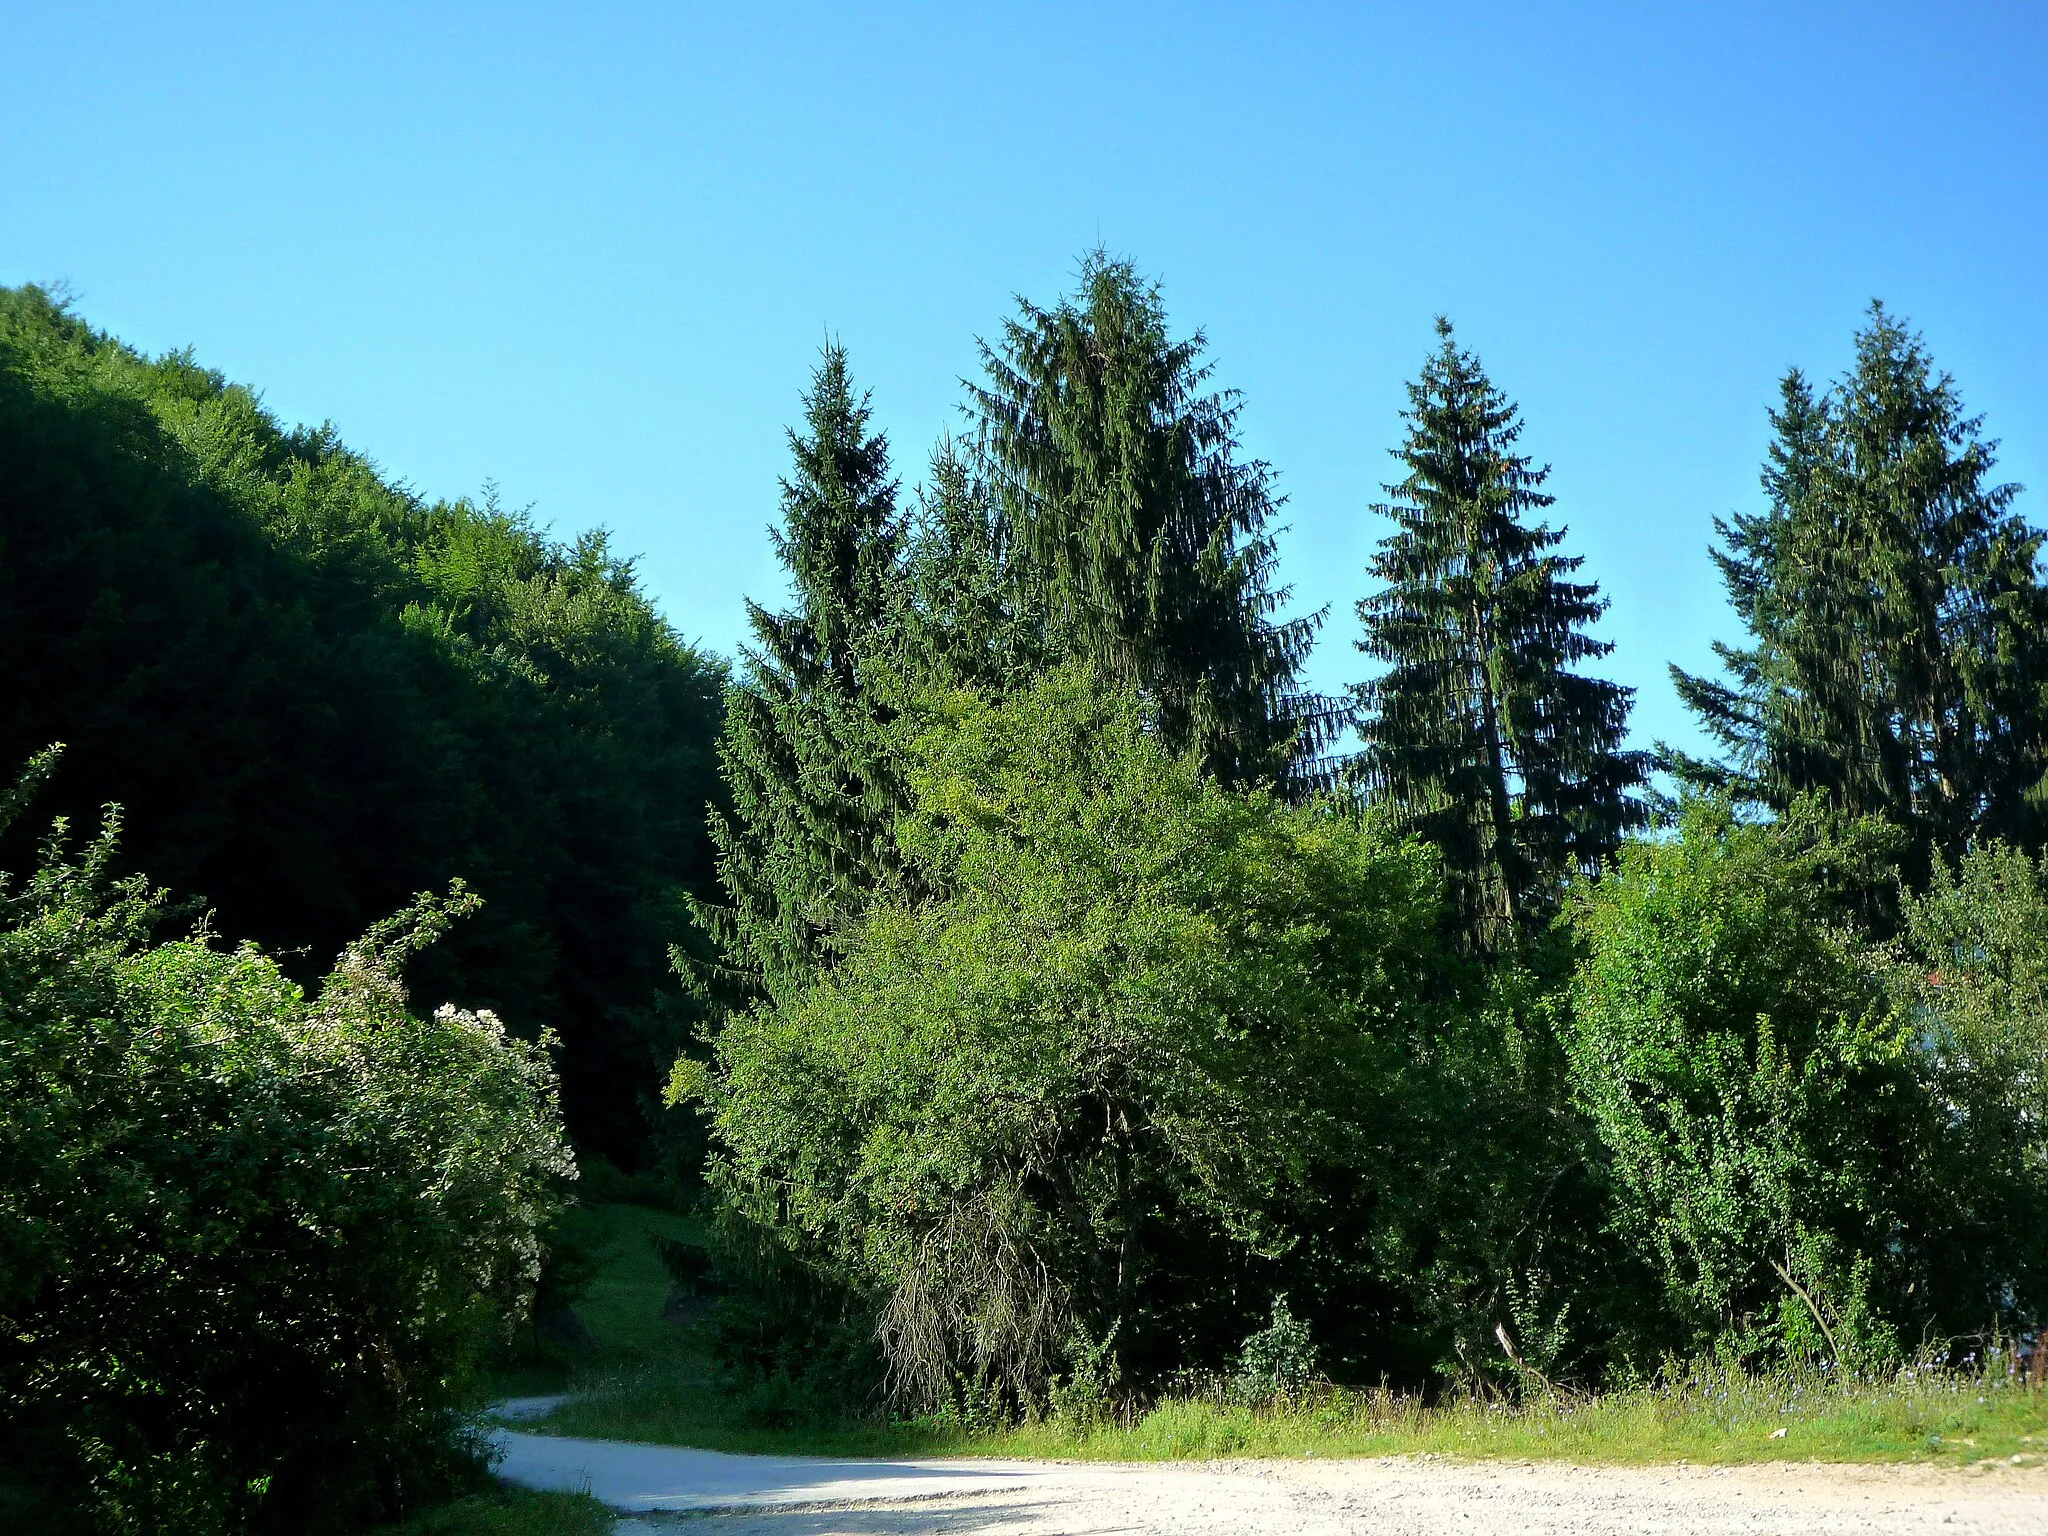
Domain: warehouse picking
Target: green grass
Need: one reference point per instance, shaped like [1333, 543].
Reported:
[622, 1310]
[1944, 1419]
[1716, 1419]
[651, 1380]
[511, 1512]
[683, 1405]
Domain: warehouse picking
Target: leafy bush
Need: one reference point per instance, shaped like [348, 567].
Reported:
[1087, 1081]
[1759, 1102]
[251, 1240]
[1278, 1360]
[1971, 986]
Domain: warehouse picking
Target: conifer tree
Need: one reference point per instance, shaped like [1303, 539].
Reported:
[1733, 712]
[811, 794]
[970, 617]
[1145, 532]
[1479, 731]
[1895, 614]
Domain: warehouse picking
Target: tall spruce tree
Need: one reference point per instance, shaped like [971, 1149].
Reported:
[1479, 731]
[1144, 530]
[1896, 617]
[812, 798]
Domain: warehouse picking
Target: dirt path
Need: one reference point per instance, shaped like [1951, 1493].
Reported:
[715, 1495]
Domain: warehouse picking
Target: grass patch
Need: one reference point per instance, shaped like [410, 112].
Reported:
[1718, 1419]
[1725, 1421]
[685, 1406]
[511, 1512]
[622, 1310]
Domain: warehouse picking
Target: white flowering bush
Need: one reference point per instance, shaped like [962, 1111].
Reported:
[253, 1241]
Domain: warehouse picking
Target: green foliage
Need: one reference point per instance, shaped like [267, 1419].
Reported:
[1479, 731]
[1084, 1084]
[968, 613]
[810, 783]
[1056, 1046]
[1971, 984]
[1895, 613]
[1706, 1414]
[1496, 1226]
[1145, 532]
[1055, 1051]
[252, 1241]
[1277, 1361]
[1759, 1102]
[316, 693]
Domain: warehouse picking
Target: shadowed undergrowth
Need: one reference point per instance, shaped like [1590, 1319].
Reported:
[650, 1379]
[512, 1512]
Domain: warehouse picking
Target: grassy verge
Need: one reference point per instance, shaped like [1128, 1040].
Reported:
[650, 1379]
[1725, 1421]
[1719, 1420]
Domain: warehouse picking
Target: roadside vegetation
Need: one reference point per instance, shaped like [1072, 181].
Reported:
[259, 1238]
[650, 1373]
[1944, 1418]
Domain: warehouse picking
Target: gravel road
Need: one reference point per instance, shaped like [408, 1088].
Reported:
[669, 1490]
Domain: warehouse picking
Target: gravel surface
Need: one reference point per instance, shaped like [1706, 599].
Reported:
[703, 1492]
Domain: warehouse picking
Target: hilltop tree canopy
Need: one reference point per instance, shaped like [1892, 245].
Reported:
[316, 693]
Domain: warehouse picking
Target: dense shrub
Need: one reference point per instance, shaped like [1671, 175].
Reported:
[1126, 1055]
[1092, 1084]
[1761, 1105]
[1971, 987]
[252, 1240]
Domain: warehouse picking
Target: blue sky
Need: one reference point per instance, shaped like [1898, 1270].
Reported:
[590, 251]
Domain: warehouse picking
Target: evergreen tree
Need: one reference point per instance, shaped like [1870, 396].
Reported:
[810, 788]
[1733, 712]
[1144, 530]
[969, 615]
[1895, 613]
[1479, 731]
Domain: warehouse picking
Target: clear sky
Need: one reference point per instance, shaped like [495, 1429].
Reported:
[589, 251]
